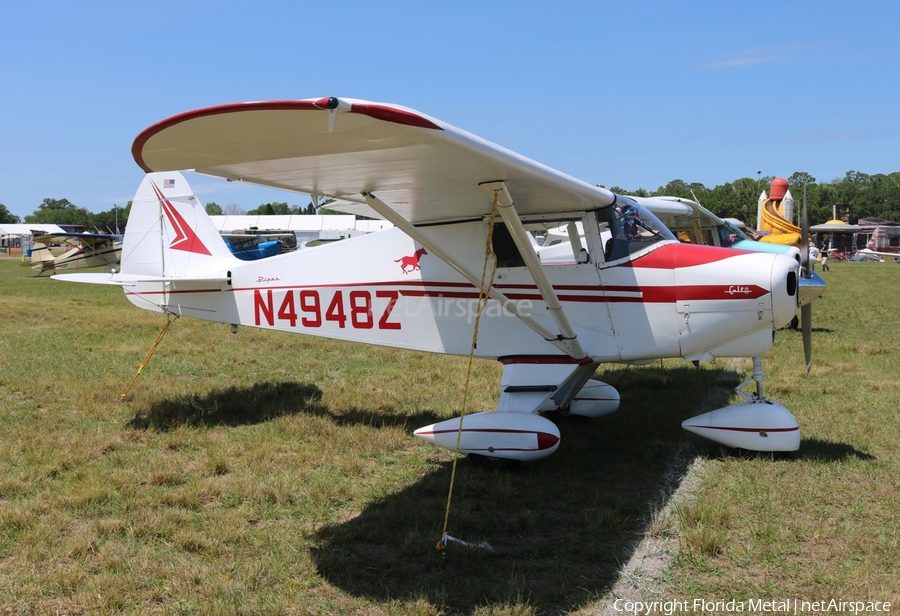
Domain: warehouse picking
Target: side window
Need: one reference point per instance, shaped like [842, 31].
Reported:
[505, 248]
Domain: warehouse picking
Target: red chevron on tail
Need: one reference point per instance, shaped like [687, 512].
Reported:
[185, 238]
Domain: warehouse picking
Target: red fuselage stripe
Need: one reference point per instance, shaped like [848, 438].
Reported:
[646, 294]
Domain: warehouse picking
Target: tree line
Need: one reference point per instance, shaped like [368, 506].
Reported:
[113, 220]
[869, 196]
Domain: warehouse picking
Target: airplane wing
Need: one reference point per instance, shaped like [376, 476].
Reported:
[425, 170]
[253, 237]
[85, 240]
[129, 280]
[885, 255]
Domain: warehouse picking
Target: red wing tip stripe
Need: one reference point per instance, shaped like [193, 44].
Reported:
[392, 114]
[378, 112]
[732, 429]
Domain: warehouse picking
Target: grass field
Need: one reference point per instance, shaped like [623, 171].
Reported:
[265, 473]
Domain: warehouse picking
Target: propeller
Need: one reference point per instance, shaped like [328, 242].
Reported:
[806, 309]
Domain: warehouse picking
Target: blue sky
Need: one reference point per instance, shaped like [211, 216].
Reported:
[621, 94]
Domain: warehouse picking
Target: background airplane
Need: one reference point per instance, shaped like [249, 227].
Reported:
[884, 242]
[692, 223]
[460, 206]
[251, 245]
[87, 250]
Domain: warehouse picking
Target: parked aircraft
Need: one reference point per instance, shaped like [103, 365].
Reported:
[885, 242]
[252, 244]
[692, 223]
[460, 206]
[88, 250]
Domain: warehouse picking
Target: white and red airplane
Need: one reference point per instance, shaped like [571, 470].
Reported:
[634, 293]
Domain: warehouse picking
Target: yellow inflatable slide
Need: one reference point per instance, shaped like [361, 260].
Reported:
[773, 217]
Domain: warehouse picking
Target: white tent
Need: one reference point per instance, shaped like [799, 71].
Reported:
[10, 229]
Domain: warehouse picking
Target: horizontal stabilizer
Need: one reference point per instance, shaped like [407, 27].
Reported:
[127, 280]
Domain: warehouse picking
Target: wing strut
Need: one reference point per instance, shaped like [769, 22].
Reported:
[412, 231]
[520, 236]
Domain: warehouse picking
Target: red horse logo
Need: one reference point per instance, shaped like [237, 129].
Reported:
[412, 262]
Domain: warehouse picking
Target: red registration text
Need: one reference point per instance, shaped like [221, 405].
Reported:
[314, 309]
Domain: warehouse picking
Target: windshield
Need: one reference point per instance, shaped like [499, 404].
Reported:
[629, 227]
[729, 234]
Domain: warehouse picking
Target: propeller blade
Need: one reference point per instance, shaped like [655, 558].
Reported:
[806, 327]
[804, 240]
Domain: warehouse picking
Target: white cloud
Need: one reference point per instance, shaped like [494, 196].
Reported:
[750, 57]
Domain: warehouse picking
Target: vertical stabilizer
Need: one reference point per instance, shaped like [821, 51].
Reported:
[169, 233]
[41, 257]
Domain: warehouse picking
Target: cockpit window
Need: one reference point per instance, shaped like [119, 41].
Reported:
[628, 227]
[729, 234]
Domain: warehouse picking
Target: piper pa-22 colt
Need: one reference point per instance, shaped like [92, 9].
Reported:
[632, 295]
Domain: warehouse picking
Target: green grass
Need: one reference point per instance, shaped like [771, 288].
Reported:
[265, 473]
[824, 522]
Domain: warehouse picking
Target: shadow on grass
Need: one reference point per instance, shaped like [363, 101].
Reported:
[817, 450]
[235, 406]
[811, 450]
[562, 527]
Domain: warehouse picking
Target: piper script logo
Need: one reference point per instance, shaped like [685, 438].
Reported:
[185, 239]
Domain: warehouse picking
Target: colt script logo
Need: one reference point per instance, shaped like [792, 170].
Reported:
[733, 290]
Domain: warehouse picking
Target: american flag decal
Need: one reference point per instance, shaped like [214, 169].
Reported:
[168, 183]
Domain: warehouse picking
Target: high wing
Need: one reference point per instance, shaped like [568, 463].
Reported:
[254, 236]
[425, 170]
[85, 240]
[886, 255]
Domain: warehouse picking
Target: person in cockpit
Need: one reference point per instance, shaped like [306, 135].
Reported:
[630, 223]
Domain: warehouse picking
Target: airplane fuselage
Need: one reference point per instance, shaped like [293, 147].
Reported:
[672, 300]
